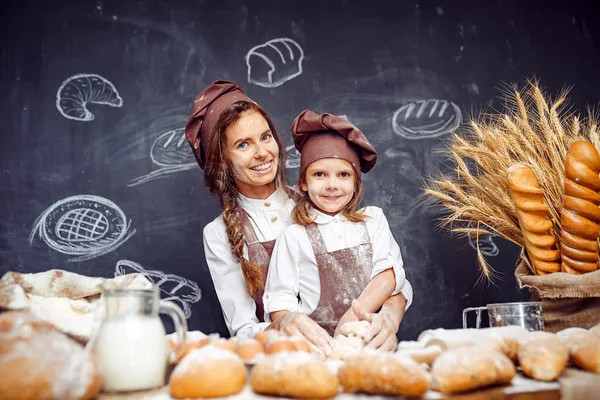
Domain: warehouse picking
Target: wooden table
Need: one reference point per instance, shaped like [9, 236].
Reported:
[521, 389]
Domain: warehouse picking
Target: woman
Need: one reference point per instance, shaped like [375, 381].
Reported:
[243, 158]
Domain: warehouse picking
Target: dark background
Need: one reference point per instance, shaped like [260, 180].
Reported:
[362, 61]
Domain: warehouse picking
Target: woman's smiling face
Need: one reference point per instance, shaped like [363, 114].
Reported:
[253, 154]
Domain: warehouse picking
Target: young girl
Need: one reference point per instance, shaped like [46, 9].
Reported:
[333, 254]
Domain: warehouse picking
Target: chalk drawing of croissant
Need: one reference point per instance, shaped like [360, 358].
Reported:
[77, 91]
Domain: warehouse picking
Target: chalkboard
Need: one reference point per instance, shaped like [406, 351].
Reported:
[97, 179]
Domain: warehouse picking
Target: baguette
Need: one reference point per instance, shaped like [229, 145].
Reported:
[532, 213]
[580, 216]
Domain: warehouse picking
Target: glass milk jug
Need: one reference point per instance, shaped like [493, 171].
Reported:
[130, 345]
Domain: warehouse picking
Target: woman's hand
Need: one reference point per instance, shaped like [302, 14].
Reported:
[384, 324]
[298, 324]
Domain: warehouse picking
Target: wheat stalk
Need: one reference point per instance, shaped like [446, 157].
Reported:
[532, 130]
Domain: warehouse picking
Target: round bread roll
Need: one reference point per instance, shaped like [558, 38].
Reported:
[300, 343]
[595, 330]
[543, 356]
[385, 374]
[263, 337]
[38, 362]
[193, 340]
[225, 344]
[248, 348]
[208, 372]
[296, 375]
[277, 344]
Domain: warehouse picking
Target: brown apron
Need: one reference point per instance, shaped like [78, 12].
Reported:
[259, 253]
[343, 275]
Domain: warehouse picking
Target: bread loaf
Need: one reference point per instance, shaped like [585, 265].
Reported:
[296, 375]
[580, 216]
[208, 372]
[504, 339]
[425, 355]
[38, 362]
[532, 213]
[543, 356]
[383, 374]
[572, 338]
[587, 355]
[471, 367]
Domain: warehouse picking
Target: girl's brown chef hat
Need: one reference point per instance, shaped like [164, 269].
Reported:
[329, 136]
[207, 109]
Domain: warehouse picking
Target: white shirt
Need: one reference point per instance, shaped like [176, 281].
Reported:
[268, 218]
[293, 271]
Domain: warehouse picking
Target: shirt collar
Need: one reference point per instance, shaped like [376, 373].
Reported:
[321, 218]
[273, 202]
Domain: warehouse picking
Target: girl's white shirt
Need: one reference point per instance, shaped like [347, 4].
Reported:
[268, 218]
[293, 282]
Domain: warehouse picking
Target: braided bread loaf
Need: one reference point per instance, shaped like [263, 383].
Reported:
[580, 216]
[532, 213]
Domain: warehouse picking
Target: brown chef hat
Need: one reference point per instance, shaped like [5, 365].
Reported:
[329, 136]
[207, 109]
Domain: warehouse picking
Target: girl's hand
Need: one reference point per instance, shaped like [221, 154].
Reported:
[347, 317]
[383, 328]
[298, 324]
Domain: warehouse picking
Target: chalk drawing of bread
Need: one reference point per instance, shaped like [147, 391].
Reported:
[424, 119]
[274, 62]
[77, 91]
[171, 149]
[174, 287]
[292, 159]
[85, 226]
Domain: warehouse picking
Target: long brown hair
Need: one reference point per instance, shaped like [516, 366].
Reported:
[219, 179]
[301, 214]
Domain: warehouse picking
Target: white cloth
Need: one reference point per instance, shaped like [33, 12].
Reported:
[268, 218]
[293, 280]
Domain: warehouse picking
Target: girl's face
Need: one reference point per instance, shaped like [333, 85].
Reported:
[330, 183]
[253, 154]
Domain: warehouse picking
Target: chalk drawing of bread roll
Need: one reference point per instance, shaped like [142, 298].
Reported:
[580, 216]
[424, 119]
[274, 62]
[85, 226]
[174, 287]
[292, 159]
[77, 91]
[171, 149]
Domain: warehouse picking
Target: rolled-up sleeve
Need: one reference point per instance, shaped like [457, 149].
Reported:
[239, 308]
[386, 252]
[281, 289]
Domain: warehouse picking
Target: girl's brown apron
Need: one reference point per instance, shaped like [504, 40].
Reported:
[343, 275]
